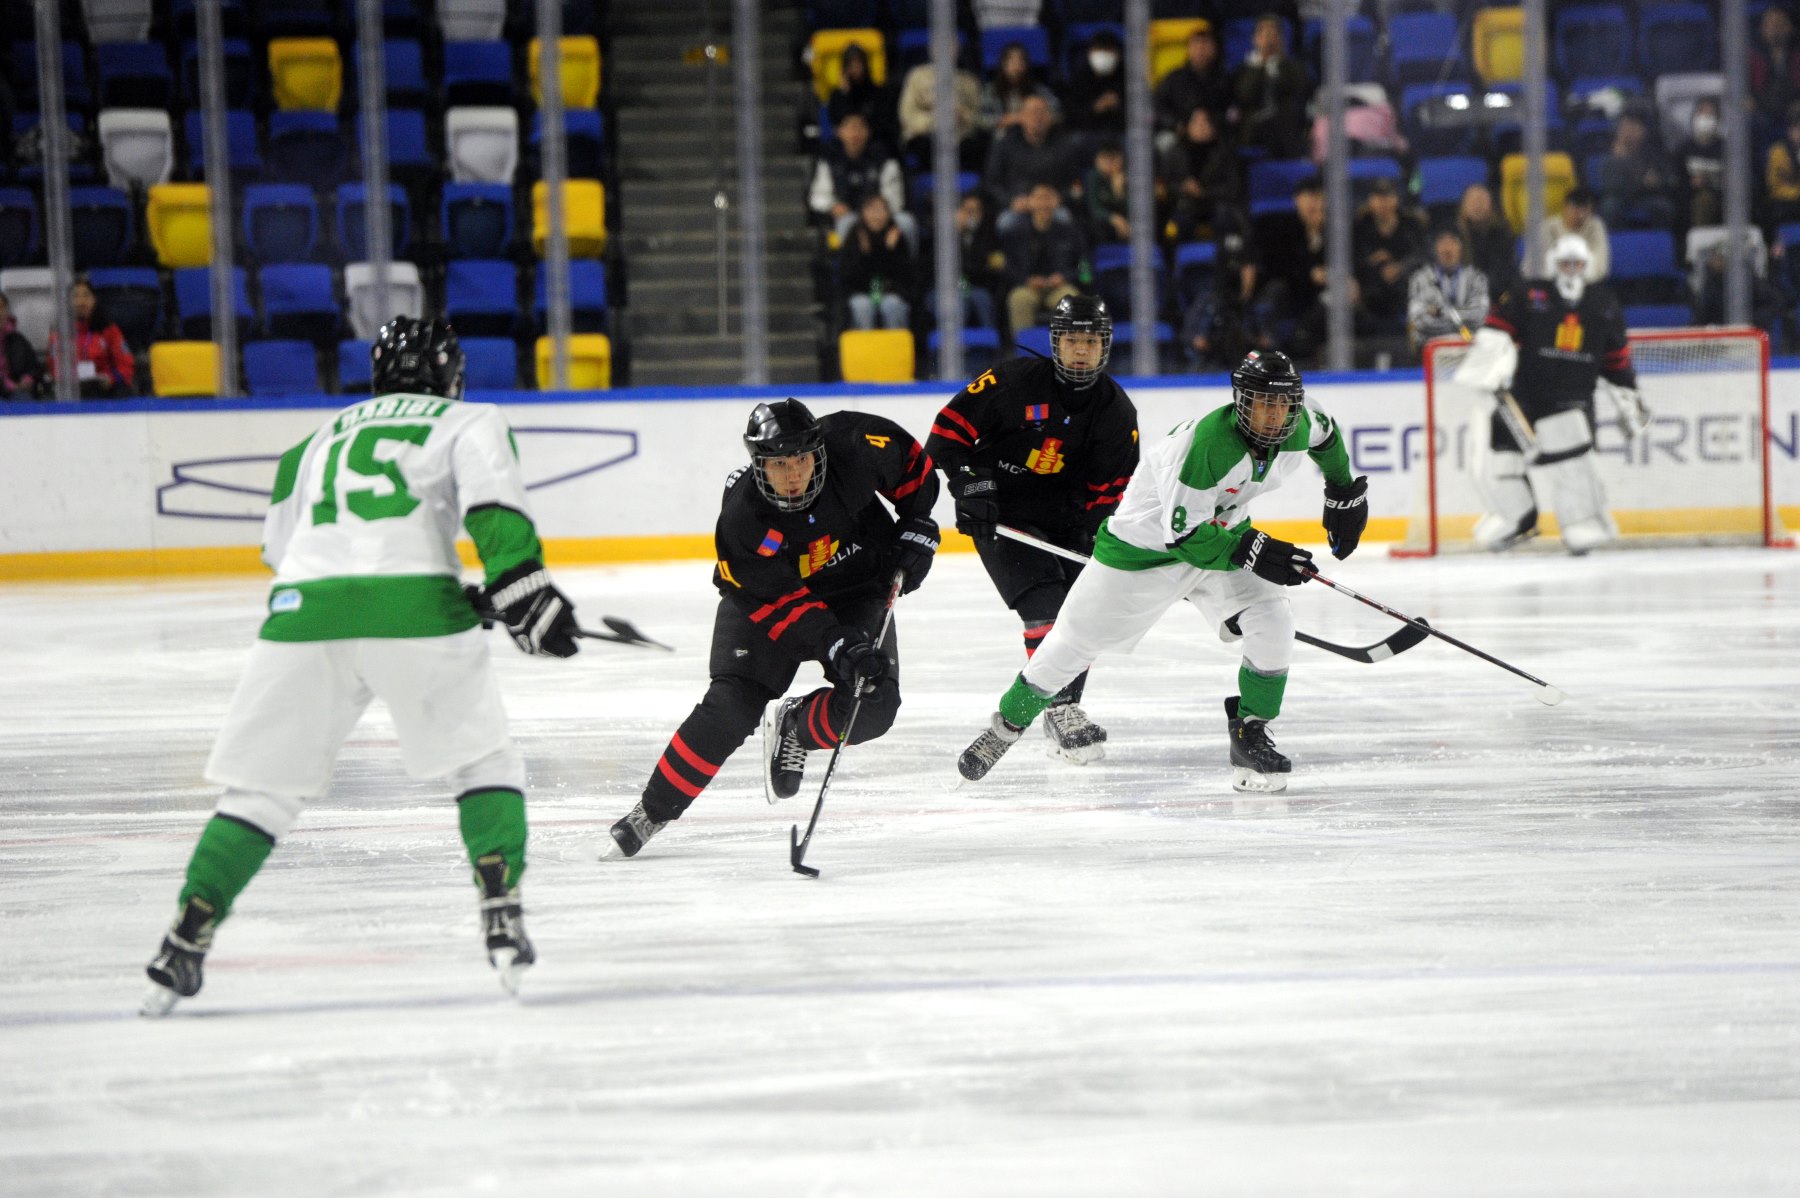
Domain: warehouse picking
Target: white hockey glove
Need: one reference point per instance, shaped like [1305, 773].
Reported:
[1634, 415]
[1488, 366]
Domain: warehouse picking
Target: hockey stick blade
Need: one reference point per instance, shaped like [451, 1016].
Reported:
[1400, 642]
[626, 628]
[796, 851]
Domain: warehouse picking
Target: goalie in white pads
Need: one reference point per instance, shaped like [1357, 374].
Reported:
[1551, 339]
[1182, 531]
[366, 603]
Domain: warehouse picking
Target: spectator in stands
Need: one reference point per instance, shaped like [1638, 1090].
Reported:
[1200, 176]
[1774, 67]
[1784, 172]
[1700, 164]
[19, 368]
[1271, 91]
[1636, 185]
[102, 363]
[852, 167]
[1288, 312]
[1577, 217]
[1216, 326]
[1767, 311]
[1096, 91]
[1103, 189]
[1043, 258]
[858, 92]
[1014, 80]
[918, 108]
[982, 261]
[875, 269]
[1445, 297]
[1386, 246]
[1488, 241]
[1030, 153]
[1200, 82]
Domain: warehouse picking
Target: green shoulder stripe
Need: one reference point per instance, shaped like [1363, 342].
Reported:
[503, 538]
[287, 470]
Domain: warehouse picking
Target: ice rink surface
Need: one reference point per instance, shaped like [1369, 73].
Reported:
[1481, 946]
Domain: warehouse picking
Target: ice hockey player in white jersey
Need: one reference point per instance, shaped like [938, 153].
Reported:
[367, 603]
[1183, 531]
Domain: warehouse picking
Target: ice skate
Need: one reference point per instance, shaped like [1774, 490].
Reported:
[988, 748]
[503, 923]
[633, 832]
[1256, 766]
[1496, 534]
[1072, 735]
[784, 757]
[175, 973]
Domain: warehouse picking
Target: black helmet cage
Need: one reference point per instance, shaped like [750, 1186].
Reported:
[1080, 314]
[784, 429]
[1267, 375]
[419, 357]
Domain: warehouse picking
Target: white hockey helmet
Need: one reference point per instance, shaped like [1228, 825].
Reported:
[1567, 263]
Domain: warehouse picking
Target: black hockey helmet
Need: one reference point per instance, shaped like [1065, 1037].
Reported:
[1080, 314]
[1265, 374]
[418, 357]
[785, 429]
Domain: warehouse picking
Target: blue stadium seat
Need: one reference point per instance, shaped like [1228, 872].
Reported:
[403, 71]
[1126, 332]
[76, 94]
[102, 226]
[21, 234]
[477, 73]
[1581, 88]
[307, 147]
[492, 365]
[133, 298]
[240, 74]
[355, 373]
[584, 135]
[353, 240]
[1645, 269]
[1036, 339]
[1035, 40]
[133, 75]
[298, 300]
[1443, 180]
[478, 220]
[193, 302]
[280, 223]
[481, 297]
[1591, 39]
[408, 153]
[1112, 278]
[587, 296]
[297, 18]
[1272, 183]
[1364, 171]
[278, 368]
[1658, 316]
[981, 347]
[1196, 269]
[924, 186]
[1423, 47]
[1359, 32]
[240, 135]
[913, 46]
[1677, 37]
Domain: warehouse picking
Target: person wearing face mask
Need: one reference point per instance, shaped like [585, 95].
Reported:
[1096, 93]
[1700, 167]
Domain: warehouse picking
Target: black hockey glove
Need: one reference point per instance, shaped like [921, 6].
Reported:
[1346, 515]
[854, 660]
[977, 497]
[1277, 561]
[539, 618]
[915, 551]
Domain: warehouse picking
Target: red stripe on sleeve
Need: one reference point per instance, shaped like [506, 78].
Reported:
[958, 417]
[775, 632]
[938, 430]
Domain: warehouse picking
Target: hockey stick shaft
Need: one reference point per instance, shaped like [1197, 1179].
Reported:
[1400, 642]
[797, 844]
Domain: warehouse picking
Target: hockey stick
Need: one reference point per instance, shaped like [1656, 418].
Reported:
[1546, 694]
[1400, 642]
[624, 632]
[796, 842]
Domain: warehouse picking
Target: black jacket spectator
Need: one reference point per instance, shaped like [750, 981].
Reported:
[1489, 244]
[858, 92]
[1200, 82]
[1700, 168]
[1034, 152]
[1096, 92]
[1271, 90]
[1387, 245]
[1200, 175]
[1636, 185]
[20, 370]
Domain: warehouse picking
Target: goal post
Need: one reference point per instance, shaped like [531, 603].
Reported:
[1700, 474]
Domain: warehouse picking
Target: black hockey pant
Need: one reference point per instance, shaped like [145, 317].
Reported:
[1034, 584]
[749, 671]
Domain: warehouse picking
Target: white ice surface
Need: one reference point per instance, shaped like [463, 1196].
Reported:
[1481, 946]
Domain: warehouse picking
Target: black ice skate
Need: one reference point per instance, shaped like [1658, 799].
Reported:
[175, 973]
[988, 748]
[1256, 765]
[1073, 736]
[633, 832]
[503, 923]
[784, 757]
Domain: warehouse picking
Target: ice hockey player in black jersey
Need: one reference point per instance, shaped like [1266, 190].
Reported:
[1552, 338]
[806, 554]
[1046, 446]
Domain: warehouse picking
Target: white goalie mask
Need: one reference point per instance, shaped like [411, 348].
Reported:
[1567, 263]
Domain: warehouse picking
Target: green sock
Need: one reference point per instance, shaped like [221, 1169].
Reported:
[1023, 703]
[1260, 694]
[227, 857]
[493, 821]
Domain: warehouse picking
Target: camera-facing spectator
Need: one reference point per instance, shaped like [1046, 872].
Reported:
[1636, 185]
[1271, 91]
[852, 167]
[1032, 152]
[1199, 82]
[20, 370]
[1700, 165]
[103, 364]
[1578, 218]
[1103, 191]
[1200, 176]
[1489, 244]
[1013, 81]
[1774, 67]
[857, 92]
[978, 246]
[1096, 91]
[1289, 278]
[1043, 258]
[875, 269]
[1386, 246]
[1446, 296]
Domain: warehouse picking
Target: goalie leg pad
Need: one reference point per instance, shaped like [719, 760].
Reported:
[1512, 509]
[1567, 469]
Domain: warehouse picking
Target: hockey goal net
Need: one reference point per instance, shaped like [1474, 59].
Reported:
[1699, 475]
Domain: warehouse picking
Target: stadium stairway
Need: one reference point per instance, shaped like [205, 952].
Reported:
[667, 169]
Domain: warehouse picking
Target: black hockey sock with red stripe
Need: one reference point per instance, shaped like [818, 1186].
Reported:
[818, 723]
[711, 733]
[1035, 632]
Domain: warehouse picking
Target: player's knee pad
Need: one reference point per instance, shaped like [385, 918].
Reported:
[1267, 630]
[1512, 507]
[1564, 434]
[876, 716]
[1579, 498]
[273, 814]
[503, 769]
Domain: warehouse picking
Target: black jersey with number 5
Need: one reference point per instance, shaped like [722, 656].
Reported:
[783, 568]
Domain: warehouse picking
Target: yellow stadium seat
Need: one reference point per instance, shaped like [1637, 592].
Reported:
[1497, 42]
[876, 356]
[580, 71]
[1168, 43]
[584, 216]
[180, 224]
[1559, 179]
[590, 362]
[184, 368]
[306, 73]
[827, 47]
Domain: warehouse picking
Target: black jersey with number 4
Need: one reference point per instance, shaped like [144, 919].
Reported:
[1062, 456]
[1563, 347]
[783, 568]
